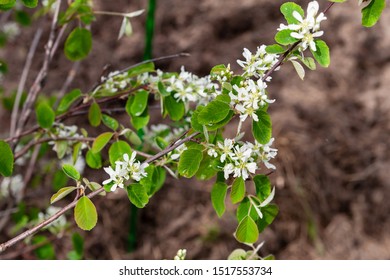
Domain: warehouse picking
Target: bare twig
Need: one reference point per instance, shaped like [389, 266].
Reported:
[39, 81]
[69, 79]
[23, 79]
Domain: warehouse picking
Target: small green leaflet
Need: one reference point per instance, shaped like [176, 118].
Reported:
[189, 162]
[6, 159]
[218, 195]
[269, 213]
[238, 190]
[94, 160]
[174, 108]
[140, 102]
[247, 231]
[139, 69]
[68, 100]
[214, 112]
[372, 12]
[101, 141]
[45, 115]
[94, 114]
[137, 195]
[78, 44]
[71, 172]
[322, 53]
[117, 150]
[263, 186]
[262, 129]
[284, 38]
[85, 214]
[275, 49]
[288, 9]
[30, 3]
[61, 194]
[299, 68]
[110, 122]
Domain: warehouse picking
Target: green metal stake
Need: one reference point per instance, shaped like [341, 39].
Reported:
[149, 32]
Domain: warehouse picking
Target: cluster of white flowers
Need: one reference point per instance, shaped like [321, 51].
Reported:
[259, 63]
[11, 30]
[12, 186]
[251, 96]
[241, 158]
[124, 170]
[64, 131]
[114, 82]
[191, 88]
[180, 255]
[58, 225]
[308, 28]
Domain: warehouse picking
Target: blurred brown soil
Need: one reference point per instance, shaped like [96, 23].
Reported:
[332, 131]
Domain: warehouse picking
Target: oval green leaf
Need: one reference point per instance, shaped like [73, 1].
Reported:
[175, 108]
[110, 122]
[45, 115]
[372, 12]
[117, 150]
[262, 186]
[140, 103]
[189, 162]
[214, 112]
[137, 195]
[71, 172]
[78, 44]
[94, 160]
[321, 54]
[284, 38]
[94, 114]
[287, 10]
[247, 231]
[6, 159]
[238, 190]
[85, 214]
[218, 195]
[262, 129]
[61, 194]
[101, 141]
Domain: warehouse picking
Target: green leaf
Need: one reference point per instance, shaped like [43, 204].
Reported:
[372, 12]
[162, 89]
[141, 121]
[22, 18]
[262, 129]
[61, 148]
[85, 214]
[214, 112]
[275, 49]
[284, 38]
[137, 195]
[94, 160]
[71, 172]
[76, 151]
[78, 243]
[287, 10]
[45, 115]
[117, 150]
[78, 44]
[140, 103]
[6, 159]
[30, 3]
[263, 186]
[140, 69]
[46, 251]
[218, 195]
[194, 119]
[222, 123]
[247, 231]
[94, 114]
[207, 168]
[175, 108]
[7, 4]
[61, 194]
[237, 254]
[309, 62]
[189, 162]
[101, 141]
[68, 100]
[245, 209]
[269, 213]
[158, 179]
[322, 53]
[238, 190]
[110, 122]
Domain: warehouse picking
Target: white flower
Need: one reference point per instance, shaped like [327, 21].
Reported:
[211, 152]
[226, 148]
[117, 176]
[259, 63]
[178, 151]
[227, 170]
[265, 153]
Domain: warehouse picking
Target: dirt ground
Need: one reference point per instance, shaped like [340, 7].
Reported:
[332, 132]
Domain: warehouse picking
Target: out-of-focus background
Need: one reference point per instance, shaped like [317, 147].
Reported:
[332, 131]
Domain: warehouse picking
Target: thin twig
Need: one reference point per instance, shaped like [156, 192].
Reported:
[39, 81]
[23, 79]
[69, 79]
